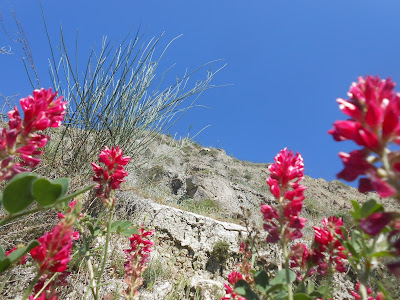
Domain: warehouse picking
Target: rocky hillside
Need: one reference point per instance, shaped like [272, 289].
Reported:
[201, 203]
[197, 199]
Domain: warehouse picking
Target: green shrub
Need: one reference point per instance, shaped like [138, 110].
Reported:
[155, 173]
[221, 251]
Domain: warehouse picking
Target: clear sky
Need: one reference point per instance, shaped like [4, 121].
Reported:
[287, 62]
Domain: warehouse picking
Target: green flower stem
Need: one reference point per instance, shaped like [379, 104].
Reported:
[287, 270]
[91, 275]
[363, 291]
[284, 246]
[306, 275]
[103, 265]
[328, 285]
[31, 285]
[45, 285]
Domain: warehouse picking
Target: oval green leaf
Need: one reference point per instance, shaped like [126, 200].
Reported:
[64, 182]
[18, 193]
[302, 296]
[45, 192]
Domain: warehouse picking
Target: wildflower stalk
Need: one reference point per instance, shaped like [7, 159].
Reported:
[91, 275]
[287, 270]
[329, 276]
[31, 286]
[105, 255]
[45, 285]
[284, 245]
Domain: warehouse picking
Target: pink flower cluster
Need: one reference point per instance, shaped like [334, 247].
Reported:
[300, 257]
[20, 142]
[373, 110]
[110, 177]
[328, 249]
[53, 255]
[233, 278]
[137, 257]
[284, 182]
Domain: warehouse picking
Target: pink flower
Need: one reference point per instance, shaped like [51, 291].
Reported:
[41, 111]
[374, 223]
[299, 256]
[53, 253]
[374, 110]
[379, 296]
[19, 144]
[284, 182]
[137, 257]
[52, 256]
[110, 177]
[233, 278]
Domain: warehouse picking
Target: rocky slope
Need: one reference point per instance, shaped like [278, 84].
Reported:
[195, 197]
[201, 203]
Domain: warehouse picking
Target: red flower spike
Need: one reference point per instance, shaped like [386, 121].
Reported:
[113, 175]
[284, 182]
[53, 253]
[21, 142]
[137, 257]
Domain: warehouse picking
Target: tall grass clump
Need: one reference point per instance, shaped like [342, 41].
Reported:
[118, 98]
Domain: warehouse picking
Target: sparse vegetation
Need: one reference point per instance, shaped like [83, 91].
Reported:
[202, 207]
[157, 270]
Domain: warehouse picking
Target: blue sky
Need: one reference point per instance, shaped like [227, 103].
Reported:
[287, 62]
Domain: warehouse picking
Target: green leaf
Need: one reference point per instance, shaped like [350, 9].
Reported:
[120, 226]
[281, 296]
[64, 182]
[18, 192]
[382, 254]
[370, 207]
[316, 294]
[19, 252]
[310, 287]
[353, 251]
[280, 277]
[301, 296]
[344, 232]
[262, 282]
[301, 288]
[356, 212]
[130, 232]
[46, 192]
[90, 227]
[4, 264]
[275, 287]
[2, 253]
[244, 289]
[323, 289]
